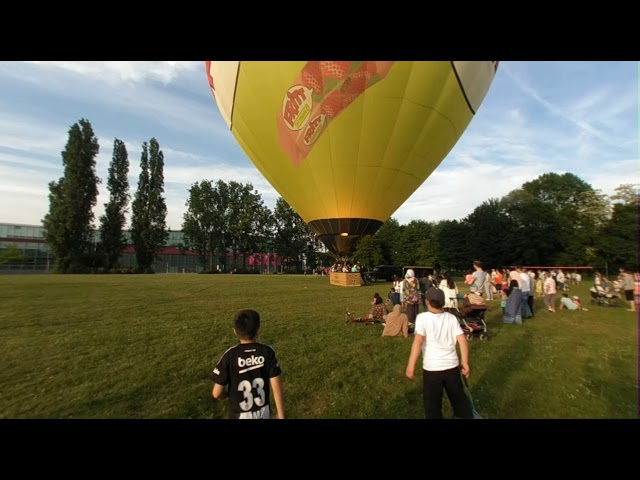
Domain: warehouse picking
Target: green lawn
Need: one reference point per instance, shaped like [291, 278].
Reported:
[142, 346]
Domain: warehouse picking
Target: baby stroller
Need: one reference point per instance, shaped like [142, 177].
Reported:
[472, 322]
[600, 297]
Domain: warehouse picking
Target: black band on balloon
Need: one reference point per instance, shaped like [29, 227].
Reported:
[330, 231]
[351, 226]
[464, 93]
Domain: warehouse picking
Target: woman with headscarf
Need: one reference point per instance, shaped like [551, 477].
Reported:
[512, 312]
[410, 295]
[396, 324]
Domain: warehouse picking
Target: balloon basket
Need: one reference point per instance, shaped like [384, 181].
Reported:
[345, 279]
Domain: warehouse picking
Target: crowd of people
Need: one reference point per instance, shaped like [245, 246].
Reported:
[249, 373]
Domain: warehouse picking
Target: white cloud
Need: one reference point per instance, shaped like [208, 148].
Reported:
[81, 83]
[567, 114]
[22, 161]
[453, 193]
[591, 101]
[116, 73]
[515, 115]
[589, 132]
[30, 135]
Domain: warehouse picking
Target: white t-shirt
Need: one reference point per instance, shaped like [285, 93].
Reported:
[439, 348]
[568, 303]
[525, 282]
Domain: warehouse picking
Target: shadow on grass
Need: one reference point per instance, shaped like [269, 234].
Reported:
[498, 392]
[619, 394]
[137, 401]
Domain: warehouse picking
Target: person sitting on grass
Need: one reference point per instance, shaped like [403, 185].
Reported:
[396, 324]
[570, 303]
[378, 312]
[566, 302]
[576, 299]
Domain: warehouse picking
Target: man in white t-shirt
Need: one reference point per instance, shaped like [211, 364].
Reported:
[436, 335]
[526, 287]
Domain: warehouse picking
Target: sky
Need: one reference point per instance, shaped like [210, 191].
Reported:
[538, 117]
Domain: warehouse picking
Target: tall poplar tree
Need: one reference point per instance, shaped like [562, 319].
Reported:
[112, 239]
[68, 226]
[149, 210]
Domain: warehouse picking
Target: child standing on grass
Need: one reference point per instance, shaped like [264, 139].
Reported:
[436, 334]
[251, 371]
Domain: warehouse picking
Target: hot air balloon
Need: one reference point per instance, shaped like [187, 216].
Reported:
[346, 143]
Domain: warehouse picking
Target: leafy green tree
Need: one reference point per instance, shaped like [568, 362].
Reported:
[387, 241]
[157, 203]
[450, 238]
[593, 212]
[245, 219]
[312, 248]
[551, 220]
[140, 222]
[561, 190]
[626, 193]
[486, 226]
[222, 221]
[264, 224]
[367, 252]
[200, 221]
[534, 236]
[68, 226]
[112, 239]
[427, 252]
[573, 202]
[149, 211]
[412, 242]
[618, 241]
[290, 233]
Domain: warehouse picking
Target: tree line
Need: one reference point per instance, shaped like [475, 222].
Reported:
[231, 217]
[221, 217]
[556, 219]
[552, 220]
[68, 226]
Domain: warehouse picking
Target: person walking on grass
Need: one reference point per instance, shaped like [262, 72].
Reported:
[251, 371]
[436, 334]
[629, 286]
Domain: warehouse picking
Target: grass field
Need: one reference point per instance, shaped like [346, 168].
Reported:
[142, 346]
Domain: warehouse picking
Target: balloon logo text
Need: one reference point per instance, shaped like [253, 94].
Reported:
[296, 107]
[321, 92]
[313, 130]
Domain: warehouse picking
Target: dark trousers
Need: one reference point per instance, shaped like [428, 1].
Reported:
[412, 311]
[530, 301]
[433, 384]
[395, 298]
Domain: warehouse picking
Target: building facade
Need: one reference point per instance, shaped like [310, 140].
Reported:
[36, 256]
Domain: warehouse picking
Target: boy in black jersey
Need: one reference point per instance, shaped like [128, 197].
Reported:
[251, 371]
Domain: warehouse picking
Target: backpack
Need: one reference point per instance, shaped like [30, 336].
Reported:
[412, 292]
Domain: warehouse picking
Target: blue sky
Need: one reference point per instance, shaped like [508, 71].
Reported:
[538, 117]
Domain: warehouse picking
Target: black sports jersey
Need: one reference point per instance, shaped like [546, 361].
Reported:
[246, 369]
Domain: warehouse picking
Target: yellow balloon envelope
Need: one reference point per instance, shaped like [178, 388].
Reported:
[346, 143]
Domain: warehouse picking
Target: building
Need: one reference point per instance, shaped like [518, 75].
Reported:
[36, 256]
[29, 239]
